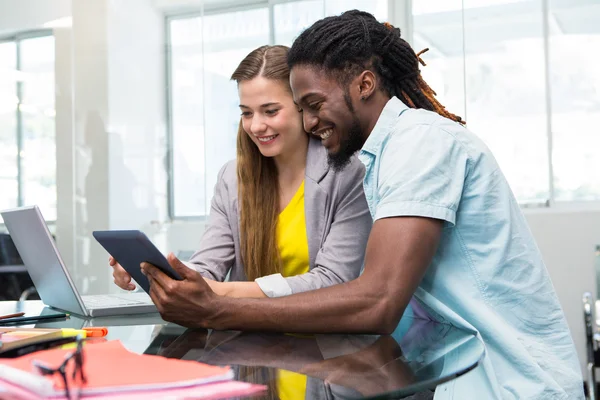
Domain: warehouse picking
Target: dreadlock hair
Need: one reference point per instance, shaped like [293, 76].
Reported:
[347, 44]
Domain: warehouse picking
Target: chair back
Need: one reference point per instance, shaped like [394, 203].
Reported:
[8, 252]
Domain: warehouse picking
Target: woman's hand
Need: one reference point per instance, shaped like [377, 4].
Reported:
[121, 277]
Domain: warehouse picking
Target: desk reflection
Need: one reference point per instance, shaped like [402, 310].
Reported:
[420, 355]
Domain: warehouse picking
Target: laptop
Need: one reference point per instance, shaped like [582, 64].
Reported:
[78, 322]
[50, 276]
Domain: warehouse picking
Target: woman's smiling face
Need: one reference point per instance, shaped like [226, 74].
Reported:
[270, 117]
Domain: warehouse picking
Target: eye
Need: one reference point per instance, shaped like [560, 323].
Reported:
[246, 114]
[272, 112]
[315, 106]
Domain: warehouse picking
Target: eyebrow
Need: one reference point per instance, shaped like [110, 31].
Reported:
[262, 105]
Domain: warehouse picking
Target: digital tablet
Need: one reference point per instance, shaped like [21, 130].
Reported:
[130, 249]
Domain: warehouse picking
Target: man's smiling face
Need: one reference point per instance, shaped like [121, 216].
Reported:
[328, 112]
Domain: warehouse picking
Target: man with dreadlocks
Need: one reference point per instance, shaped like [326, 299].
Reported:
[447, 228]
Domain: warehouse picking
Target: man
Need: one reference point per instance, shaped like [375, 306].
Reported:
[447, 227]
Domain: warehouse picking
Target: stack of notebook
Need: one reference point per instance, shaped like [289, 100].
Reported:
[15, 342]
[114, 372]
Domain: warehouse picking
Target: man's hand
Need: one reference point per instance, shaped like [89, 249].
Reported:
[189, 302]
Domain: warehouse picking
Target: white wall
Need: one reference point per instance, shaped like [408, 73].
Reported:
[110, 122]
[23, 15]
[567, 240]
[119, 136]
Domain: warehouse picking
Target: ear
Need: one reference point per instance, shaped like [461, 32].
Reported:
[367, 83]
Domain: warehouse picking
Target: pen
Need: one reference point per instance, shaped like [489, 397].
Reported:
[20, 320]
[19, 314]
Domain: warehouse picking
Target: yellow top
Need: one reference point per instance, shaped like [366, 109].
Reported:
[292, 243]
[291, 385]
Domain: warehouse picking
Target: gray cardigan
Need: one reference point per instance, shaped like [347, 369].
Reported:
[338, 224]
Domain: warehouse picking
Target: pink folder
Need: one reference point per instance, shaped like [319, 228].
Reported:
[112, 370]
[219, 390]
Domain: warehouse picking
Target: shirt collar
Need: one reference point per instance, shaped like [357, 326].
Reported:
[390, 112]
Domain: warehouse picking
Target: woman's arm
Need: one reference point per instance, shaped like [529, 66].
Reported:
[341, 257]
[236, 289]
[217, 252]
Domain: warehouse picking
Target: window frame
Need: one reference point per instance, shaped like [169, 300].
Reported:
[551, 204]
[395, 11]
[397, 14]
[194, 13]
[17, 39]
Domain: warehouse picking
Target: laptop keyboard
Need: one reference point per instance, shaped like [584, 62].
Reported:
[106, 301]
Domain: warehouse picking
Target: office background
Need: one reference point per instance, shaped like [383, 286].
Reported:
[118, 114]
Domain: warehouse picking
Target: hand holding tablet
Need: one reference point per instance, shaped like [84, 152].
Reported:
[131, 248]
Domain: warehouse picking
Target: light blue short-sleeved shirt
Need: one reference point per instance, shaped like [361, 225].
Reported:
[487, 274]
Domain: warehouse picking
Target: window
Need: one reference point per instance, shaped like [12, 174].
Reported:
[521, 73]
[8, 126]
[204, 107]
[27, 132]
[204, 51]
[575, 98]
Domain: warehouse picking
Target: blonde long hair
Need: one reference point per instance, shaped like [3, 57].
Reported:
[258, 186]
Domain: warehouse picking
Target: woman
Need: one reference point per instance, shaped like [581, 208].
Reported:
[282, 221]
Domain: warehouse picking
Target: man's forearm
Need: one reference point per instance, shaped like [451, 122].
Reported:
[372, 303]
[351, 307]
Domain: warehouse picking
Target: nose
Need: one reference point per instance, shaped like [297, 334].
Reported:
[310, 121]
[257, 126]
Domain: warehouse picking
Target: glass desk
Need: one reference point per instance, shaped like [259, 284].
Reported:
[417, 357]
